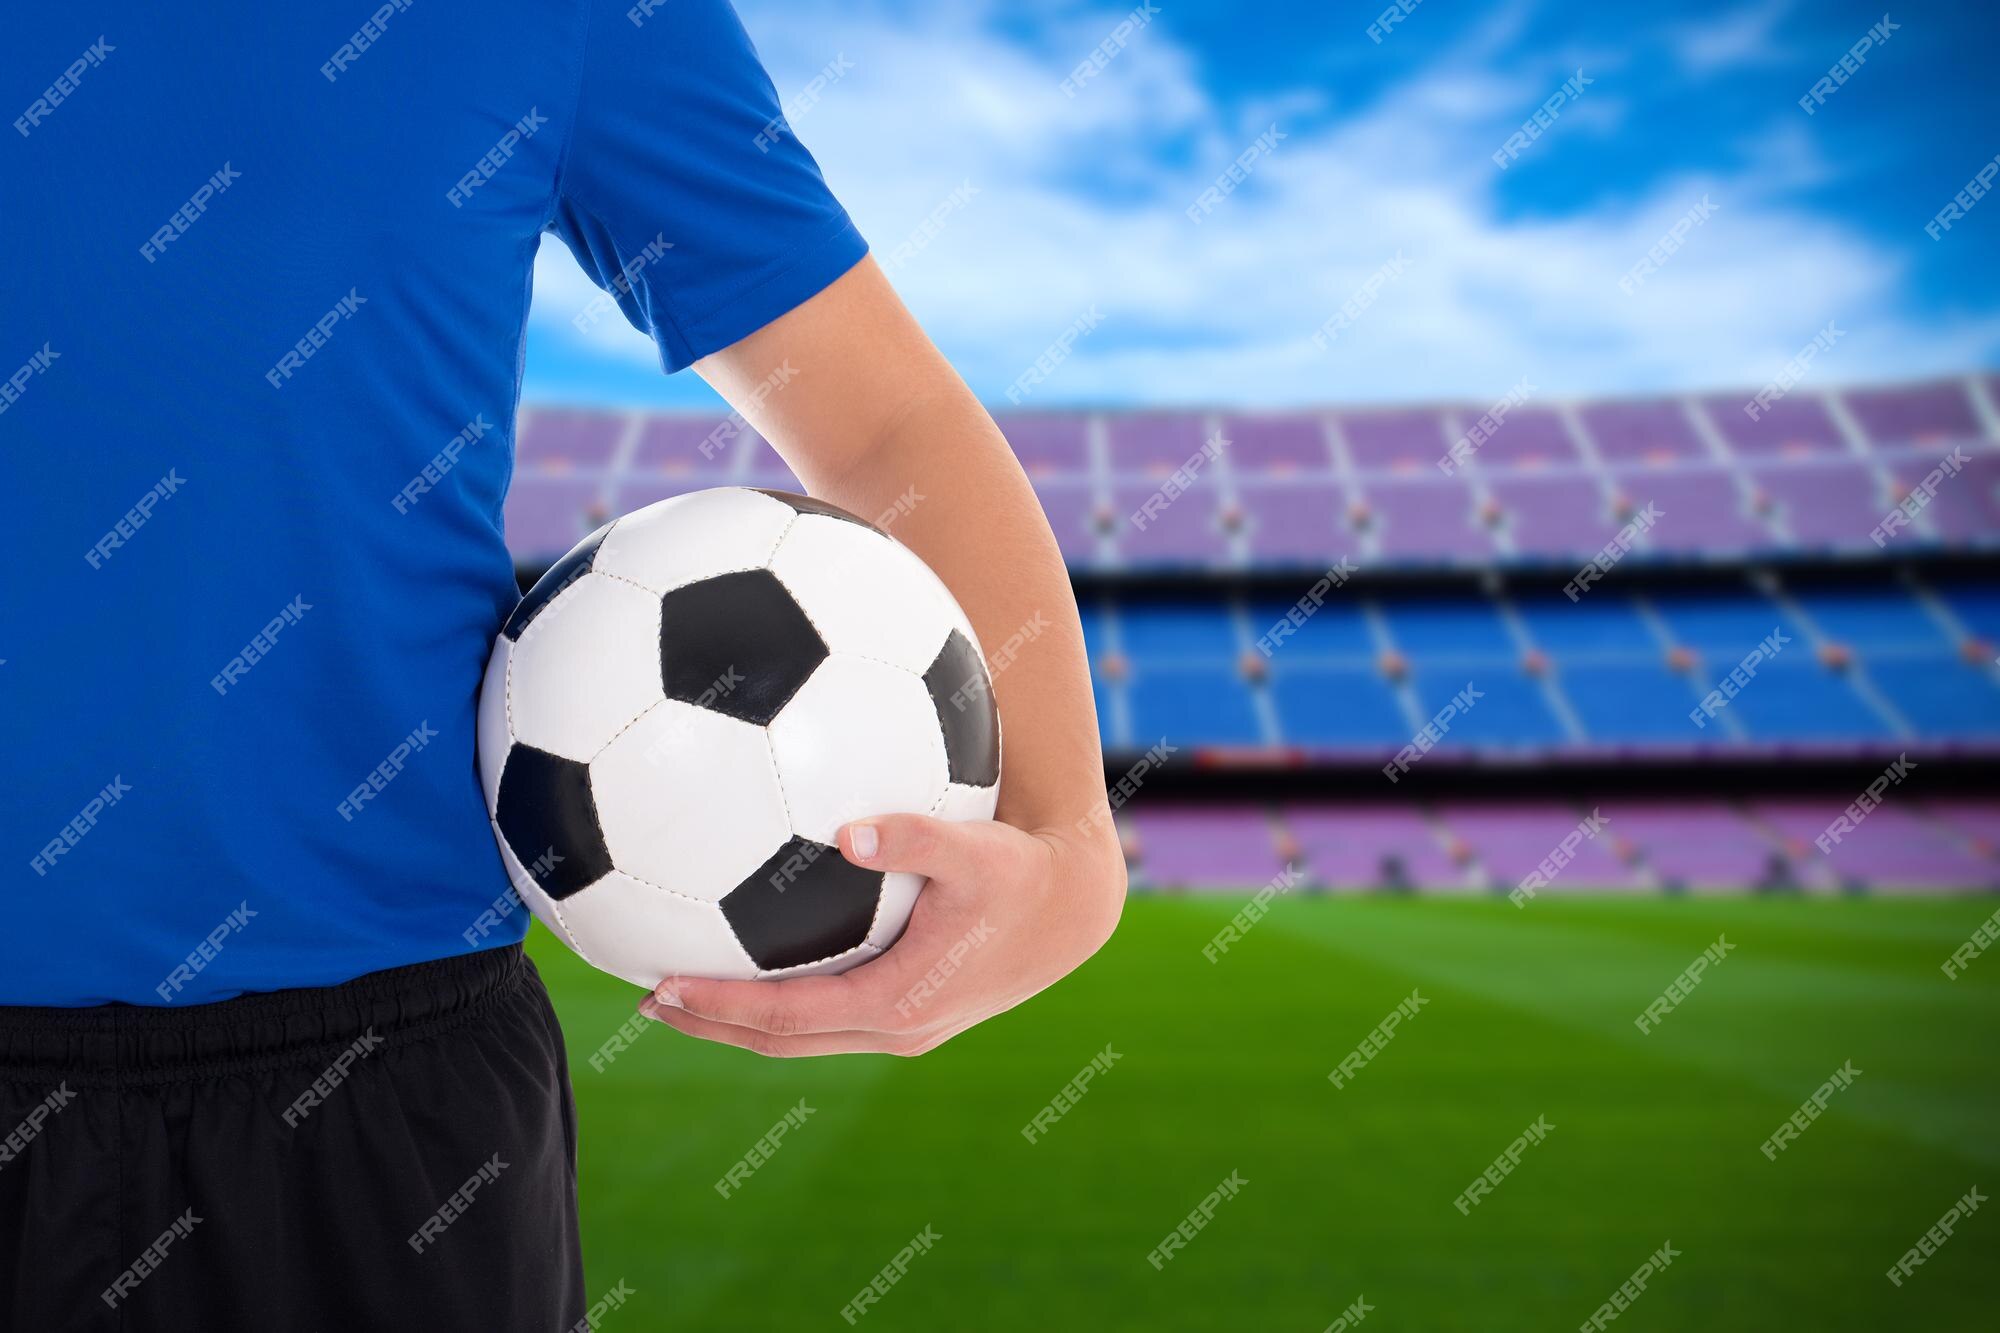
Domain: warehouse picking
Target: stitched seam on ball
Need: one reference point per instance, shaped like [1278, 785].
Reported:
[713, 574]
[569, 933]
[804, 610]
[730, 926]
[778, 777]
[605, 573]
[658, 614]
[765, 974]
[569, 936]
[651, 591]
[832, 651]
[507, 693]
[878, 661]
[640, 879]
[620, 732]
[556, 909]
[783, 533]
[882, 892]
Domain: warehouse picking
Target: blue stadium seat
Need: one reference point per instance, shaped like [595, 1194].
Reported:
[1336, 630]
[1513, 710]
[1797, 699]
[1336, 706]
[1097, 643]
[1635, 701]
[1191, 705]
[1090, 611]
[1457, 626]
[1723, 624]
[1975, 603]
[1868, 618]
[1943, 696]
[1600, 622]
[1326, 686]
[1179, 631]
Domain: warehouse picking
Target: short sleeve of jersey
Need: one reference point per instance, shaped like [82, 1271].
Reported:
[683, 191]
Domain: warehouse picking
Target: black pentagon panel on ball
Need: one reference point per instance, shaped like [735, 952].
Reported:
[962, 693]
[805, 504]
[548, 817]
[559, 576]
[736, 644]
[805, 904]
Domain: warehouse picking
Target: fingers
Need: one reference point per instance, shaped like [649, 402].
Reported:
[783, 1048]
[875, 997]
[937, 848]
[853, 1001]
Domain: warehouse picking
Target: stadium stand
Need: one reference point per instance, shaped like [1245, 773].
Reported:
[1814, 474]
[1440, 552]
[1859, 668]
[1684, 846]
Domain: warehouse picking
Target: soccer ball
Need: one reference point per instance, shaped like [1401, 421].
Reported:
[682, 712]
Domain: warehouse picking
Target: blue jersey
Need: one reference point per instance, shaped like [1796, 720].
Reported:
[267, 273]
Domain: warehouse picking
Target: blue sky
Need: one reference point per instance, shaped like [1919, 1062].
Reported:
[1079, 203]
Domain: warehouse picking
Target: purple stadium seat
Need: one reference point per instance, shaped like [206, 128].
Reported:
[1402, 441]
[1655, 430]
[1512, 838]
[770, 472]
[1916, 414]
[1965, 507]
[1698, 845]
[1529, 437]
[1220, 847]
[1426, 518]
[1830, 504]
[1894, 847]
[1279, 442]
[1345, 846]
[642, 491]
[1067, 504]
[1978, 822]
[1555, 515]
[676, 445]
[1297, 522]
[1792, 427]
[558, 439]
[1154, 443]
[1049, 444]
[1184, 530]
[1701, 511]
[545, 516]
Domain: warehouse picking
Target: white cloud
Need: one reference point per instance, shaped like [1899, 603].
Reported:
[1742, 38]
[1081, 202]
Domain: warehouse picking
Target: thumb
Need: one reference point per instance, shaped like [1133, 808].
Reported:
[922, 845]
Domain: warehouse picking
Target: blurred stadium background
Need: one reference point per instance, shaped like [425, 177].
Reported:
[1416, 551]
[1207, 548]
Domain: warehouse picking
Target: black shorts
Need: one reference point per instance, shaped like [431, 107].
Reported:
[395, 1153]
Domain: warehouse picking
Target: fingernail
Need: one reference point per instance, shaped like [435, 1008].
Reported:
[669, 993]
[865, 840]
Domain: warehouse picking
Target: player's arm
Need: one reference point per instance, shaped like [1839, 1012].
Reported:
[872, 418]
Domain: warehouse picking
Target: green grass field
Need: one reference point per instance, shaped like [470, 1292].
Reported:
[1349, 1191]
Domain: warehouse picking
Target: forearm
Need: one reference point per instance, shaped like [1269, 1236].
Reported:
[875, 420]
[944, 477]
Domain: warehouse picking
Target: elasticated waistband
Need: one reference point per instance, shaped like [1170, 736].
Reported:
[118, 1045]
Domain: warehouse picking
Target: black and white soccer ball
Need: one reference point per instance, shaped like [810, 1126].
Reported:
[681, 714]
